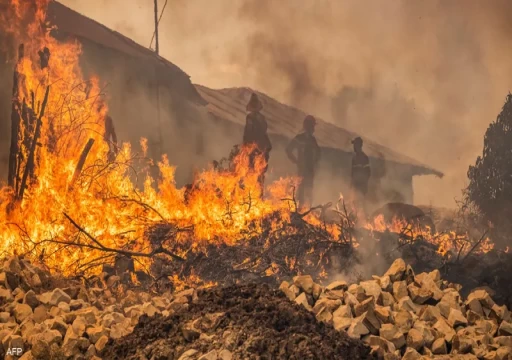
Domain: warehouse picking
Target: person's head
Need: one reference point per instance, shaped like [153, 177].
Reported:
[358, 144]
[254, 104]
[309, 124]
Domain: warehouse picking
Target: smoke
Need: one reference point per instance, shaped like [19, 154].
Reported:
[424, 78]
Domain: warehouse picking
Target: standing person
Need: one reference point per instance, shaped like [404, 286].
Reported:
[255, 133]
[361, 173]
[308, 155]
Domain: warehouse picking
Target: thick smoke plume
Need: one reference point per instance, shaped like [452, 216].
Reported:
[425, 78]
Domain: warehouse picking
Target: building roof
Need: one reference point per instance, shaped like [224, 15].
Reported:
[286, 121]
[71, 22]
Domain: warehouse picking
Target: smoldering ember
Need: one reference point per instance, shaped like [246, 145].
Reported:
[145, 217]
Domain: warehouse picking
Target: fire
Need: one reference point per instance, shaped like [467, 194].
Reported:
[71, 219]
[446, 241]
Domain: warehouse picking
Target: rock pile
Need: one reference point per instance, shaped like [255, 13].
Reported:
[406, 316]
[72, 322]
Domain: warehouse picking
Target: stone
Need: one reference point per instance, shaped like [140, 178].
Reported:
[475, 305]
[317, 290]
[40, 314]
[79, 326]
[121, 329]
[327, 303]
[385, 345]
[415, 339]
[5, 317]
[224, 355]
[342, 318]
[57, 296]
[482, 296]
[188, 355]
[337, 285]
[439, 347]
[503, 340]
[462, 344]
[372, 288]
[445, 329]
[324, 315]
[59, 325]
[384, 282]
[350, 299]
[190, 332]
[210, 321]
[411, 354]
[95, 333]
[456, 319]
[504, 353]
[500, 313]
[22, 312]
[387, 299]
[400, 290]
[5, 295]
[358, 292]
[419, 295]
[403, 320]
[76, 304]
[487, 327]
[430, 314]
[473, 317]
[430, 285]
[425, 331]
[357, 327]
[101, 343]
[304, 282]
[212, 355]
[505, 329]
[364, 306]
[396, 270]
[303, 300]
[31, 299]
[285, 288]
[64, 307]
[391, 333]
[384, 314]
[406, 304]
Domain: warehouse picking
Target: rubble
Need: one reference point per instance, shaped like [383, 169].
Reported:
[406, 316]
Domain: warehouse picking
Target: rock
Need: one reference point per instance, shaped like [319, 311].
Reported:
[487, 327]
[5, 296]
[22, 312]
[411, 354]
[396, 270]
[304, 282]
[456, 319]
[406, 304]
[419, 295]
[317, 290]
[357, 327]
[64, 307]
[400, 290]
[358, 292]
[415, 339]
[327, 303]
[500, 313]
[190, 332]
[385, 345]
[40, 314]
[430, 285]
[212, 355]
[188, 355]
[79, 326]
[364, 306]
[324, 315]
[445, 329]
[384, 282]
[503, 341]
[224, 355]
[372, 288]
[12, 341]
[59, 325]
[303, 300]
[482, 296]
[31, 299]
[403, 320]
[430, 314]
[462, 344]
[121, 329]
[439, 347]
[391, 333]
[425, 331]
[504, 353]
[350, 299]
[475, 305]
[505, 329]
[387, 299]
[383, 313]
[95, 333]
[76, 304]
[57, 296]
[342, 318]
[210, 321]
[337, 285]
[5, 317]
[101, 343]
[473, 317]
[285, 288]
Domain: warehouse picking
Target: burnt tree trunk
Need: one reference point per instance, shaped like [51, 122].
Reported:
[15, 122]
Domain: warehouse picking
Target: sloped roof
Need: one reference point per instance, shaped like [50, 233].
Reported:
[286, 121]
[71, 22]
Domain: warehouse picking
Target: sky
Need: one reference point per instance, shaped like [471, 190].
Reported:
[422, 77]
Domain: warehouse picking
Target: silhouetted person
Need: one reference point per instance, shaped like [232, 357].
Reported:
[307, 157]
[255, 133]
[361, 172]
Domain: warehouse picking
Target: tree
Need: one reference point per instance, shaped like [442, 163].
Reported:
[490, 179]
